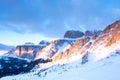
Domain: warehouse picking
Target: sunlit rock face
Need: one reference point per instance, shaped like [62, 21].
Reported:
[78, 49]
[110, 35]
[29, 50]
[73, 34]
[113, 31]
[107, 42]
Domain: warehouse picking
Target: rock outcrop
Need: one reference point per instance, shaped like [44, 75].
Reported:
[29, 50]
[55, 46]
[73, 34]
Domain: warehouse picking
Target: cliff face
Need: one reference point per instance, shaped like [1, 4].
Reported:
[113, 31]
[29, 50]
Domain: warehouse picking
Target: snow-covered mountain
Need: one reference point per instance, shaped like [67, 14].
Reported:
[93, 56]
[58, 47]
[99, 44]
[75, 43]
[78, 49]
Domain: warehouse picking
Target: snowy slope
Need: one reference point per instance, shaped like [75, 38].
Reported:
[101, 52]
[106, 69]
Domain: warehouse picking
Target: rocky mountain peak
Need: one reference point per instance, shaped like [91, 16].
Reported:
[113, 31]
[73, 34]
[94, 34]
[114, 27]
[44, 42]
[29, 43]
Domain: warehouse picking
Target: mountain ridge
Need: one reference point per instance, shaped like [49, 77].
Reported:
[79, 45]
[92, 53]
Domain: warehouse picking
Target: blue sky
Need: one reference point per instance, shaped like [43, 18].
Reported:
[35, 20]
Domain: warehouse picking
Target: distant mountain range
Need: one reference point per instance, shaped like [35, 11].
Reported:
[6, 47]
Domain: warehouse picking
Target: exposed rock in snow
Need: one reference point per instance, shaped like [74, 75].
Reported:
[73, 34]
[55, 46]
[29, 43]
[44, 43]
[107, 42]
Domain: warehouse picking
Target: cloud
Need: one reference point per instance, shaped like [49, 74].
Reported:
[54, 17]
